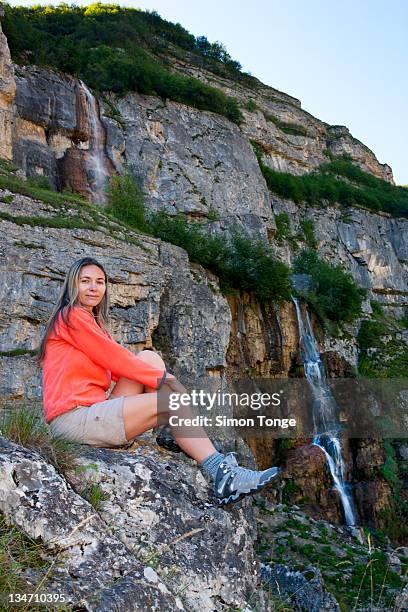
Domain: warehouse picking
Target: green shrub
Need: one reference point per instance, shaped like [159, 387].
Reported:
[389, 469]
[326, 185]
[377, 308]
[369, 335]
[307, 227]
[282, 227]
[334, 295]
[404, 318]
[251, 106]
[126, 200]
[239, 262]
[24, 426]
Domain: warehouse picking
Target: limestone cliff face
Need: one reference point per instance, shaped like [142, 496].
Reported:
[286, 152]
[200, 164]
[7, 93]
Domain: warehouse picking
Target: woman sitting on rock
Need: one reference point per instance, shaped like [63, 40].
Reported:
[80, 359]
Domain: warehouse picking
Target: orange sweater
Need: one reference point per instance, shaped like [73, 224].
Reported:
[80, 362]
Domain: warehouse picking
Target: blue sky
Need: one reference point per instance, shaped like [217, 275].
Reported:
[346, 60]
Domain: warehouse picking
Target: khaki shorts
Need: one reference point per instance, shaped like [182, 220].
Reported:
[98, 425]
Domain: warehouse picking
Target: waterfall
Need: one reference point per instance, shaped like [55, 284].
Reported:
[97, 168]
[326, 427]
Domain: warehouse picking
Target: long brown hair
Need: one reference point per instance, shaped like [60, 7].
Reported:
[67, 299]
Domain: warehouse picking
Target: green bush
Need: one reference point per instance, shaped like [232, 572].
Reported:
[381, 353]
[251, 106]
[377, 308]
[282, 227]
[117, 49]
[334, 295]
[126, 201]
[307, 227]
[238, 261]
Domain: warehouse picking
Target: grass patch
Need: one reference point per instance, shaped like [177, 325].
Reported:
[295, 129]
[19, 553]
[24, 426]
[31, 189]
[88, 216]
[18, 352]
[7, 166]
[94, 495]
[58, 221]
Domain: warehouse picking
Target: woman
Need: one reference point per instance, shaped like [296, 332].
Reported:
[80, 359]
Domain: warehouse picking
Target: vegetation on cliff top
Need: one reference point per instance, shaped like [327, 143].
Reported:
[119, 49]
[339, 181]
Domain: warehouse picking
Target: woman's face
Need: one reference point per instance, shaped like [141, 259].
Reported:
[91, 286]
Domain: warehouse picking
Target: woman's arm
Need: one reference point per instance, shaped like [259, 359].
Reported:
[86, 335]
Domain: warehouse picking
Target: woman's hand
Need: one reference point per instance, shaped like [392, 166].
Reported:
[175, 385]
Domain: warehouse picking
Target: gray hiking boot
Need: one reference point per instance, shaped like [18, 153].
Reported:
[233, 482]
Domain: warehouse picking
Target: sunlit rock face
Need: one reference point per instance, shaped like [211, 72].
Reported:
[7, 94]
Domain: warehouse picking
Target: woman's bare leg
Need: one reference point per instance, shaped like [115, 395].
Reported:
[140, 413]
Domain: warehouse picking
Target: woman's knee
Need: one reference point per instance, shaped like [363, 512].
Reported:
[152, 358]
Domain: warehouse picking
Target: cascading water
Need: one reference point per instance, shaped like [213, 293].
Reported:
[98, 172]
[325, 424]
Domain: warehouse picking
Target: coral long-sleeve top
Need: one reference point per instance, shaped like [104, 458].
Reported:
[80, 361]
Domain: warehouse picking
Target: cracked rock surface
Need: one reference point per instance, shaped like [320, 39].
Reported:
[156, 542]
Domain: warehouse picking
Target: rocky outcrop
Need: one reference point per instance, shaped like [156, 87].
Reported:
[58, 132]
[7, 93]
[304, 592]
[156, 542]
